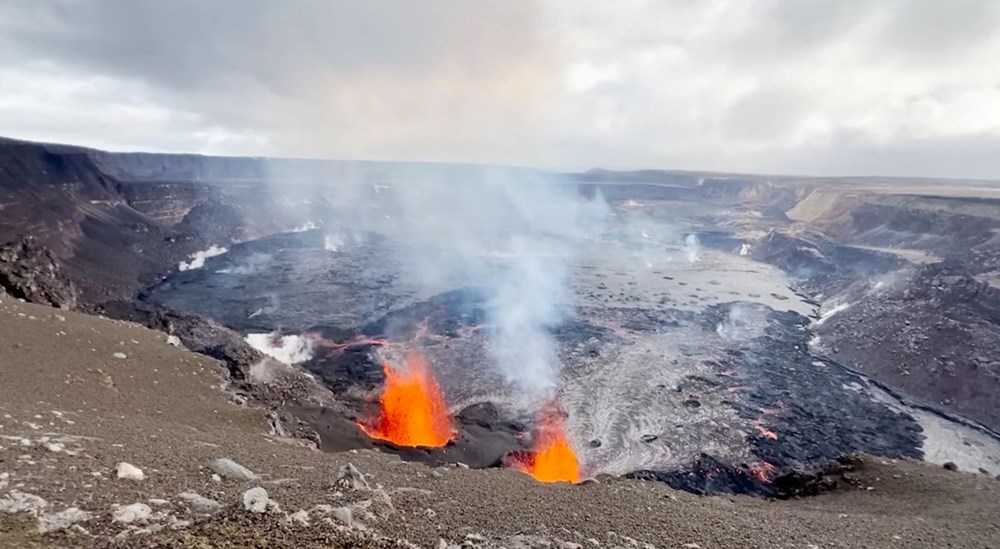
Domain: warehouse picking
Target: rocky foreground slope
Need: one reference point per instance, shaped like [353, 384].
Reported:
[112, 436]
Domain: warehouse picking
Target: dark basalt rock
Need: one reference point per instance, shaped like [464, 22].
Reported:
[199, 334]
[30, 272]
[710, 475]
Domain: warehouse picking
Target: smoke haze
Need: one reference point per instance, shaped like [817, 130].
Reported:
[511, 233]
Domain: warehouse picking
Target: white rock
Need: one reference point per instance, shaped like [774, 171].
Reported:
[128, 471]
[174, 340]
[61, 520]
[344, 515]
[176, 524]
[120, 355]
[230, 469]
[216, 478]
[300, 517]
[127, 514]
[199, 503]
[17, 501]
[379, 506]
[55, 447]
[350, 478]
[255, 500]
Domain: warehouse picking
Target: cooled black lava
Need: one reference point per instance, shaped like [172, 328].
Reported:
[778, 409]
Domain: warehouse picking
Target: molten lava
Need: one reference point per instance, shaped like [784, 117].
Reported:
[413, 411]
[763, 471]
[552, 459]
[763, 430]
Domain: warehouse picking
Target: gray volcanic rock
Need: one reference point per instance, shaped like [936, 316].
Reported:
[199, 503]
[256, 500]
[30, 272]
[349, 478]
[230, 469]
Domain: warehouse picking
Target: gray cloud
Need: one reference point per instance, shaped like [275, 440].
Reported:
[186, 44]
[926, 31]
[712, 84]
[763, 113]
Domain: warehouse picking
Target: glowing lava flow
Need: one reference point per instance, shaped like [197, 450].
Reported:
[763, 471]
[413, 411]
[552, 459]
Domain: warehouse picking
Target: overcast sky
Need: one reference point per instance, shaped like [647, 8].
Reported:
[896, 87]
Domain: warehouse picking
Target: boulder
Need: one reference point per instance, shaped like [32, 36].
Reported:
[128, 471]
[200, 504]
[228, 468]
[30, 272]
[350, 478]
[62, 520]
[127, 514]
[256, 500]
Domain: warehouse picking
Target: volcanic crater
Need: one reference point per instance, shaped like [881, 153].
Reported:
[698, 373]
[720, 334]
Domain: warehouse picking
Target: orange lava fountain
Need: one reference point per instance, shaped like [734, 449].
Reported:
[552, 458]
[413, 410]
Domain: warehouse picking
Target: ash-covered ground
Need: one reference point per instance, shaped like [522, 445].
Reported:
[682, 362]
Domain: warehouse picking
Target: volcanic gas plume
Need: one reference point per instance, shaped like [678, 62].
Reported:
[552, 458]
[412, 408]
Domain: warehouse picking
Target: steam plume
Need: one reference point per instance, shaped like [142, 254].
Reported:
[513, 233]
[509, 231]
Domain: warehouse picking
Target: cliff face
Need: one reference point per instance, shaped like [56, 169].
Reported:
[117, 222]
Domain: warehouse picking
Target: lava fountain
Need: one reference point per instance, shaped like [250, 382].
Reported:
[412, 408]
[552, 458]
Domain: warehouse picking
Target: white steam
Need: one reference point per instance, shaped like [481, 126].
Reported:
[736, 325]
[513, 234]
[307, 226]
[692, 248]
[831, 312]
[251, 265]
[507, 231]
[290, 349]
[198, 258]
[333, 242]
[646, 238]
